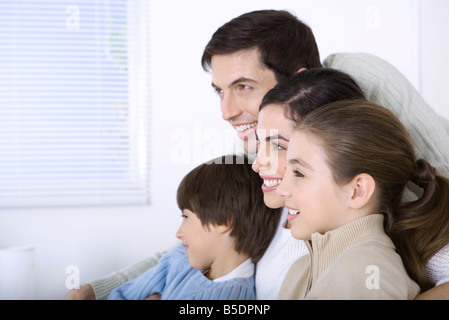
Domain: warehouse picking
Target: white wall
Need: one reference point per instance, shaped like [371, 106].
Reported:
[435, 54]
[100, 240]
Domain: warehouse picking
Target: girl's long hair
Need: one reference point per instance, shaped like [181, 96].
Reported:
[421, 228]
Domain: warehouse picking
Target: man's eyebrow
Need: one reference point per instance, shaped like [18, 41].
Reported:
[236, 81]
[240, 80]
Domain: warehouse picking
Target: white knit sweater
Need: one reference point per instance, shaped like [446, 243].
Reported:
[282, 252]
[438, 267]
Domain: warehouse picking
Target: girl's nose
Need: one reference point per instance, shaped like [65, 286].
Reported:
[283, 190]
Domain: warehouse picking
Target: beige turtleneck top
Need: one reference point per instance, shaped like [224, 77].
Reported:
[355, 261]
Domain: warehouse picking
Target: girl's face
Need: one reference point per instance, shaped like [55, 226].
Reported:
[314, 200]
[273, 134]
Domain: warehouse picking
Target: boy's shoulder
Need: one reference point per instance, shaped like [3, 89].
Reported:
[177, 252]
[232, 289]
[175, 260]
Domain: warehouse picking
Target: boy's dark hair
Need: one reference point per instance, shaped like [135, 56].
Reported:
[285, 43]
[226, 191]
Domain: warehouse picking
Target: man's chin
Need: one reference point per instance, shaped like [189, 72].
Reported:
[250, 144]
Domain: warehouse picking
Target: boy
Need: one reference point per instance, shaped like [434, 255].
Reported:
[226, 228]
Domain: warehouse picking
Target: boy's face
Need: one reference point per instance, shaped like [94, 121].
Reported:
[198, 240]
[241, 82]
[315, 202]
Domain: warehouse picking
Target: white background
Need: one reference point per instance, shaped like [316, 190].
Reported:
[411, 34]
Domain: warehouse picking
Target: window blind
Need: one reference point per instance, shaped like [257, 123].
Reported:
[74, 116]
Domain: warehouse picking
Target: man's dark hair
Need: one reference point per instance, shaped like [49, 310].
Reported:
[285, 43]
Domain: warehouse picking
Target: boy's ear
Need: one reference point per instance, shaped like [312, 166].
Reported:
[361, 190]
[302, 69]
[221, 228]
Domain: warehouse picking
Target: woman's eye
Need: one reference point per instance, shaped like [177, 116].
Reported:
[281, 147]
[277, 147]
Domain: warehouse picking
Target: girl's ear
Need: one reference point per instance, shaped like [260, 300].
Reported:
[361, 190]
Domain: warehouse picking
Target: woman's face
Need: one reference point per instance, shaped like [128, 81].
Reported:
[273, 134]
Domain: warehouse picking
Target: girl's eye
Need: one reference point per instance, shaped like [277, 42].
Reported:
[183, 216]
[298, 174]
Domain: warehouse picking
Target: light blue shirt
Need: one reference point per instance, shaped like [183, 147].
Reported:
[175, 279]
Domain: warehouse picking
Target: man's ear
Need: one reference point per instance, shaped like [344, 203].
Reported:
[361, 190]
[302, 69]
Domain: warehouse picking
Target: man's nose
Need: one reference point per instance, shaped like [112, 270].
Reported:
[229, 107]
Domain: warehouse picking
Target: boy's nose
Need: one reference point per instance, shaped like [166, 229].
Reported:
[179, 234]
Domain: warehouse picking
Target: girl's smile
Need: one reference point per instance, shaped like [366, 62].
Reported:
[292, 214]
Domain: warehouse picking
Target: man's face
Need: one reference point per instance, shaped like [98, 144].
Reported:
[241, 81]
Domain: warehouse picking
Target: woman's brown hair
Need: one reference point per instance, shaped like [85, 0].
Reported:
[226, 191]
[361, 137]
[311, 89]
